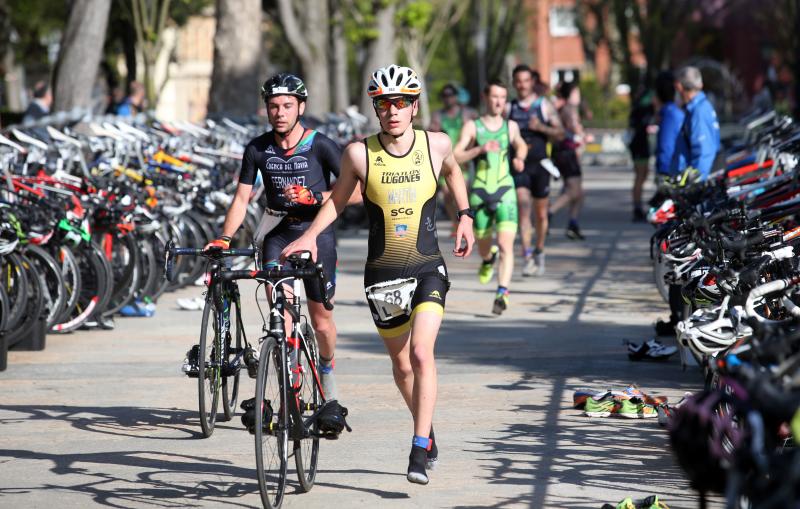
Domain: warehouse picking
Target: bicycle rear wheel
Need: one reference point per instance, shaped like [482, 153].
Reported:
[306, 451]
[208, 380]
[230, 383]
[272, 425]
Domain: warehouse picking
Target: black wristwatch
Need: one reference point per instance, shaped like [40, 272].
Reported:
[466, 212]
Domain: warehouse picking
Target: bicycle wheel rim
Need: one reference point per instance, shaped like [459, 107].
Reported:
[230, 383]
[52, 283]
[306, 451]
[70, 272]
[15, 283]
[208, 380]
[271, 437]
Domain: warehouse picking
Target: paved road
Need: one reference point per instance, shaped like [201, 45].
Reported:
[104, 418]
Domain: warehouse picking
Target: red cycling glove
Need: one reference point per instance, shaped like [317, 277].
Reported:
[305, 196]
[220, 243]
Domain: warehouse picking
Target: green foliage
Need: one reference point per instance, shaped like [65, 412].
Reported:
[34, 21]
[415, 15]
[444, 69]
[359, 21]
[607, 110]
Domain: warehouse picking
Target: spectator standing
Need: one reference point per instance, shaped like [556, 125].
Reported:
[40, 105]
[697, 144]
[670, 120]
[134, 103]
[449, 120]
[641, 117]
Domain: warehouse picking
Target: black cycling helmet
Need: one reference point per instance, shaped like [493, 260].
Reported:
[284, 84]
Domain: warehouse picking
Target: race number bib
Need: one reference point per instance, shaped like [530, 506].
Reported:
[392, 298]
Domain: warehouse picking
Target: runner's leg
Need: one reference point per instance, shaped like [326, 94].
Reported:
[398, 348]
[525, 207]
[505, 240]
[540, 218]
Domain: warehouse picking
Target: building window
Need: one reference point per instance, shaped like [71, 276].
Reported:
[562, 21]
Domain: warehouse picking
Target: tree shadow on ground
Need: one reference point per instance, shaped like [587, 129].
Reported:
[164, 480]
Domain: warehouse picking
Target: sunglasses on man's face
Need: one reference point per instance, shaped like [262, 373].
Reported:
[383, 104]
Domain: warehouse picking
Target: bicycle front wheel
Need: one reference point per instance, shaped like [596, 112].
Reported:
[272, 425]
[230, 382]
[306, 451]
[209, 379]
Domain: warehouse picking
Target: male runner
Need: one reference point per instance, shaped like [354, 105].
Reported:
[450, 119]
[492, 195]
[405, 277]
[296, 165]
[538, 122]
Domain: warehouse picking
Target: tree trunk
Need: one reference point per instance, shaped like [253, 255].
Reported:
[380, 53]
[415, 61]
[340, 95]
[308, 32]
[81, 50]
[238, 65]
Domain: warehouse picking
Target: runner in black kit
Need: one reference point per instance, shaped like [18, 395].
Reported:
[296, 165]
[538, 121]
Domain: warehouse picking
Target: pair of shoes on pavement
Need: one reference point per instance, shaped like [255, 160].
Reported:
[580, 396]
[651, 502]
[138, 308]
[627, 407]
[653, 350]
[534, 265]
[99, 322]
[422, 458]
[195, 304]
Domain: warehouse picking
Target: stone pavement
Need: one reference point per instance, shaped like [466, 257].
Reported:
[105, 418]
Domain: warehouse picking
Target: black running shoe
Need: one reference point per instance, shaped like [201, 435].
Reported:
[664, 328]
[332, 420]
[574, 233]
[639, 216]
[416, 465]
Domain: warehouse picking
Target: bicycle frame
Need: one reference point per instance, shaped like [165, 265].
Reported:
[290, 348]
[221, 293]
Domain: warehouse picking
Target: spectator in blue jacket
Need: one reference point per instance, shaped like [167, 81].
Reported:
[697, 143]
[670, 120]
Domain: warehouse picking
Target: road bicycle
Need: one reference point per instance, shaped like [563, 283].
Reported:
[223, 342]
[288, 383]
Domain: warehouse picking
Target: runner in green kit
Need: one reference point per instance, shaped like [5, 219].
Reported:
[449, 120]
[493, 197]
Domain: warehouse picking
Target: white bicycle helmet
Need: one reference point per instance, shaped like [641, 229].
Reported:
[710, 331]
[394, 80]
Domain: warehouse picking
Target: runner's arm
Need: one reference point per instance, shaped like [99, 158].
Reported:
[461, 151]
[237, 210]
[458, 188]
[520, 147]
[555, 131]
[340, 196]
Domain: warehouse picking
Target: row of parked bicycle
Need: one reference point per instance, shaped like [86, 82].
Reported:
[87, 207]
[725, 257]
